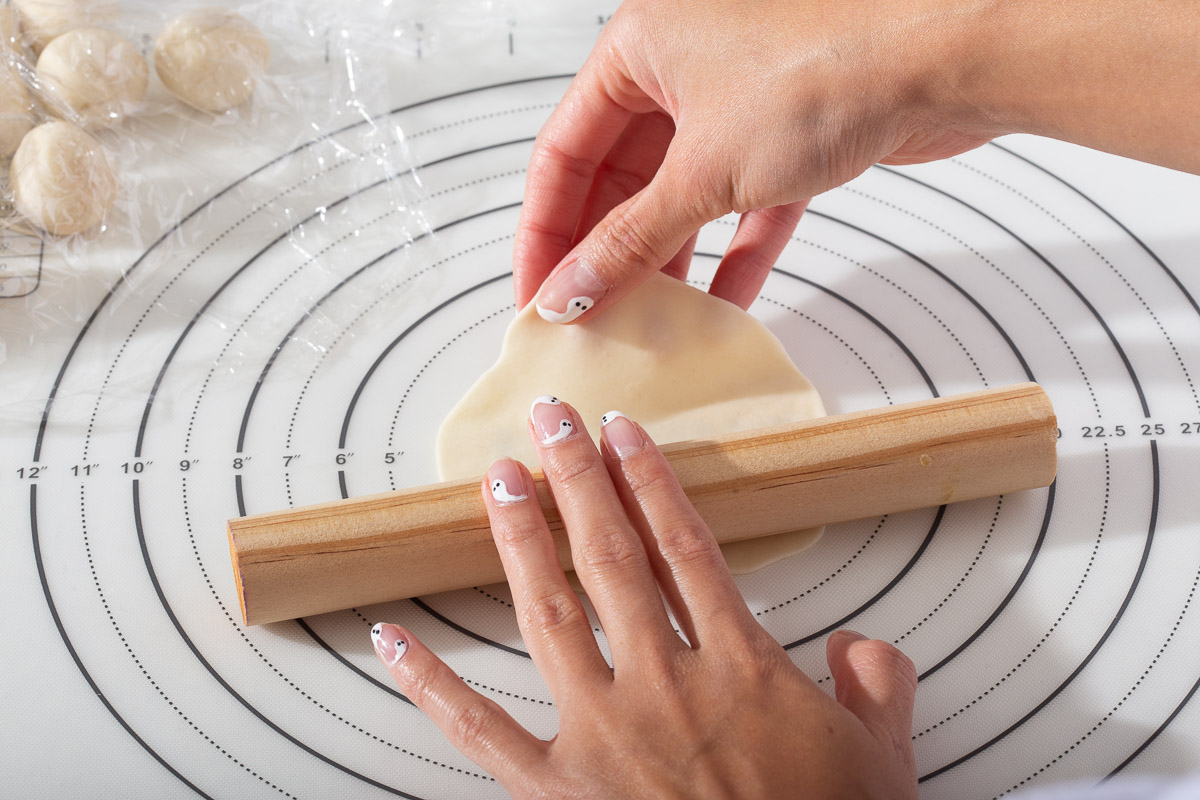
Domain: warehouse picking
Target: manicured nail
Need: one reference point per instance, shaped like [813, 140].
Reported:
[568, 294]
[551, 421]
[389, 642]
[506, 482]
[622, 436]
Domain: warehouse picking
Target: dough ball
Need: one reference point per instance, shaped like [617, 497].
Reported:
[10, 28]
[43, 20]
[16, 111]
[211, 59]
[92, 75]
[680, 362]
[61, 179]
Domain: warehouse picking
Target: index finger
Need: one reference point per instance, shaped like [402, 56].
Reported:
[568, 151]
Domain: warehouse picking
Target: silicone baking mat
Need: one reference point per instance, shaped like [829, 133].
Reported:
[298, 335]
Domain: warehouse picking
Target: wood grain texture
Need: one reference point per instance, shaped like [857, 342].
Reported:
[430, 539]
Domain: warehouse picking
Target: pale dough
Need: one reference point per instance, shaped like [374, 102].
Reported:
[211, 59]
[43, 20]
[680, 362]
[10, 29]
[16, 111]
[61, 179]
[92, 76]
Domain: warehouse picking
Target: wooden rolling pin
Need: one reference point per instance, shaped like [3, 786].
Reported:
[433, 538]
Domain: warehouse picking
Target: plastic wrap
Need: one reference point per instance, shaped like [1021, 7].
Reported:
[319, 108]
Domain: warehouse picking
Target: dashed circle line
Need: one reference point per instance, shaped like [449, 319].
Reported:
[506, 694]
[87, 547]
[910, 296]
[1011, 281]
[481, 117]
[957, 586]
[187, 516]
[1046, 636]
[1129, 693]
[358, 317]
[896, 286]
[493, 597]
[831, 575]
[1178, 358]
[190, 263]
[839, 339]
[412, 383]
[258, 306]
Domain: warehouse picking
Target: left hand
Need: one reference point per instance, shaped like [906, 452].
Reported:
[716, 710]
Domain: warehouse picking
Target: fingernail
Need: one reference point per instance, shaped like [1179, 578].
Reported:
[551, 421]
[389, 642]
[569, 293]
[622, 436]
[506, 482]
[853, 636]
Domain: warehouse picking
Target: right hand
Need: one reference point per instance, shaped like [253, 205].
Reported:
[717, 710]
[689, 110]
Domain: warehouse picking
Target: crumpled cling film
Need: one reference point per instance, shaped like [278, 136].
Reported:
[322, 98]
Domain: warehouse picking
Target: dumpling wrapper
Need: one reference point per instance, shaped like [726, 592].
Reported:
[681, 363]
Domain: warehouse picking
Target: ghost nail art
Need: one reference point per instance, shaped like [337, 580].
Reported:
[551, 420]
[575, 308]
[610, 416]
[573, 289]
[546, 399]
[622, 436]
[565, 429]
[502, 495]
[505, 482]
[389, 643]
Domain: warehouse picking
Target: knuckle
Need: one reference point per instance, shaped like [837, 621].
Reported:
[515, 532]
[538, 232]
[469, 725]
[571, 469]
[551, 611]
[627, 182]
[610, 544]
[420, 687]
[550, 155]
[686, 541]
[649, 478]
[629, 242]
[759, 658]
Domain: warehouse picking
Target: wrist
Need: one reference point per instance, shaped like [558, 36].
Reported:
[964, 82]
[1106, 74]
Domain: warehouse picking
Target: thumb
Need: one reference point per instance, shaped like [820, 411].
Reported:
[875, 682]
[632, 242]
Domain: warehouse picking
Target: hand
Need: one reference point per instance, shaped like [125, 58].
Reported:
[686, 111]
[723, 713]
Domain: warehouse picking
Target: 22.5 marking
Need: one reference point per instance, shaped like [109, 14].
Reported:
[1101, 432]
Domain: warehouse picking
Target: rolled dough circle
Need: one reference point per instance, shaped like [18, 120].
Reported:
[43, 20]
[92, 75]
[680, 362]
[211, 59]
[16, 111]
[61, 179]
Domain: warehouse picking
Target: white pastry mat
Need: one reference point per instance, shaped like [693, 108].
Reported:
[290, 342]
